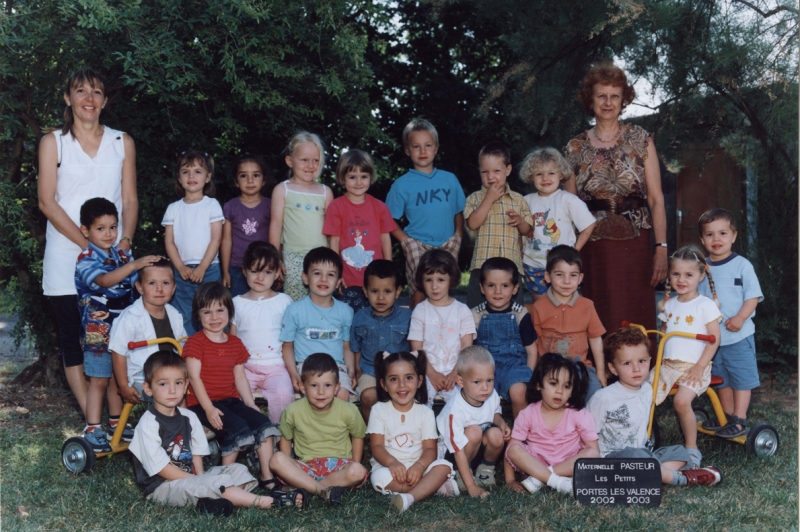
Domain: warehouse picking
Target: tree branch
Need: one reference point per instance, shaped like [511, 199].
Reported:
[767, 14]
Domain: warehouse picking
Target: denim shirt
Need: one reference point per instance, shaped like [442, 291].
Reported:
[370, 334]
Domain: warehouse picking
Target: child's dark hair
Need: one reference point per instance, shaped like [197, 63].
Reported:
[163, 262]
[419, 362]
[188, 158]
[322, 255]
[94, 208]
[382, 269]
[355, 160]
[691, 253]
[623, 337]
[497, 149]
[437, 261]
[712, 215]
[160, 360]
[502, 264]
[550, 365]
[317, 364]
[255, 159]
[563, 253]
[209, 293]
[77, 79]
[260, 256]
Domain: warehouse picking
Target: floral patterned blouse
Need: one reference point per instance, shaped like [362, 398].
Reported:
[614, 174]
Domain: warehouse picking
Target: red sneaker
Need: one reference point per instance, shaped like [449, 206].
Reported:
[705, 476]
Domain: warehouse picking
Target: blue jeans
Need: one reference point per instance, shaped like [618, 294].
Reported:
[184, 294]
[238, 281]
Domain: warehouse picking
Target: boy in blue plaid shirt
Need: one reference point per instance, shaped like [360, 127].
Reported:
[104, 277]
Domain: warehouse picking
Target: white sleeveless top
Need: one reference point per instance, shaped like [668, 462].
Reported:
[80, 178]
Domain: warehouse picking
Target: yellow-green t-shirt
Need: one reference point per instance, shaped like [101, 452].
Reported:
[322, 435]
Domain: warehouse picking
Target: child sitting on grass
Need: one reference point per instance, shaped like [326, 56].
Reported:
[168, 448]
[472, 425]
[621, 412]
[150, 317]
[327, 434]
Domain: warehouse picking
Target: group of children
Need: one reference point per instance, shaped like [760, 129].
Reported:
[336, 334]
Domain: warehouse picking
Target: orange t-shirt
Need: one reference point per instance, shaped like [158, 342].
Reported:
[565, 328]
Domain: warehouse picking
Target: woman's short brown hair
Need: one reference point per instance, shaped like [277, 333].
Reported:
[606, 73]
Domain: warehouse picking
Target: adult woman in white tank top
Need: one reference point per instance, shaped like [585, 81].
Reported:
[82, 160]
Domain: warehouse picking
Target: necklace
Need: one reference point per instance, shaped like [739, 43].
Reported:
[612, 139]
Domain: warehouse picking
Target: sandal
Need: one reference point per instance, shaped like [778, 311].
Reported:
[334, 495]
[731, 430]
[288, 499]
[713, 423]
[268, 484]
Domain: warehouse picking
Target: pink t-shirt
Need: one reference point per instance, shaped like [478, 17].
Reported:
[359, 227]
[560, 443]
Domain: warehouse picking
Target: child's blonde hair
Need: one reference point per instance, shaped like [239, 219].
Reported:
[691, 253]
[540, 157]
[419, 124]
[471, 356]
[304, 136]
[355, 160]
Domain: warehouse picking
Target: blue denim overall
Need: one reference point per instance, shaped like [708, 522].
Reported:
[499, 334]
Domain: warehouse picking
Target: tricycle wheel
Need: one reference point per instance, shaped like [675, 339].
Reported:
[77, 455]
[700, 414]
[214, 458]
[763, 440]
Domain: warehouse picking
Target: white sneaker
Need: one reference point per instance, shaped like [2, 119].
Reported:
[449, 488]
[559, 483]
[484, 477]
[532, 485]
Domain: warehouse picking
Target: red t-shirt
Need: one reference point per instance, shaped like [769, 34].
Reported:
[218, 362]
[359, 228]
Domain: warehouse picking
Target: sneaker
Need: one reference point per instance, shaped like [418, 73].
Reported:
[449, 488]
[402, 501]
[127, 432]
[705, 476]
[484, 477]
[98, 439]
[216, 507]
[559, 483]
[532, 485]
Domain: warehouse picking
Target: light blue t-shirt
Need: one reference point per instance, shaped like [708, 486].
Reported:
[735, 281]
[429, 202]
[316, 329]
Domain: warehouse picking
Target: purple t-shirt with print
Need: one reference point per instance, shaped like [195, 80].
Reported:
[247, 225]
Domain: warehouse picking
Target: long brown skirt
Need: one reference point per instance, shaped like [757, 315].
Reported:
[617, 277]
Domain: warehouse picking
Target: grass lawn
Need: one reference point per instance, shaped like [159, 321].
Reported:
[757, 494]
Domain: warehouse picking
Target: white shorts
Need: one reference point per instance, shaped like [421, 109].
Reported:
[187, 490]
[382, 476]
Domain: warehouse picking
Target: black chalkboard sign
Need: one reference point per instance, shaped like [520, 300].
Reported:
[617, 481]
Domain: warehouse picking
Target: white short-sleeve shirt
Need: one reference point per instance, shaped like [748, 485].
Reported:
[258, 326]
[690, 317]
[440, 329]
[191, 227]
[458, 414]
[403, 432]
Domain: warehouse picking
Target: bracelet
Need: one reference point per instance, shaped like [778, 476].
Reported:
[127, 239]
[661, 244]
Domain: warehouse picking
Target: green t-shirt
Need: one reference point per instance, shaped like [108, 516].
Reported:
[322, 435]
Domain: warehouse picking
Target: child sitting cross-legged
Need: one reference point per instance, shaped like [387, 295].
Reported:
[383, 326]
[168, 448]
[471, 423]
[554, 431]
[150, 317]
[220, 393]
[403, 436]
[327, 434]
[621, 413]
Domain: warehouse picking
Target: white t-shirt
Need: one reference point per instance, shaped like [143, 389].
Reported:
[553, 219]
[621, 416]
[191, 227]
[403, 432]
[147, 447]
[258, 326]
[135, 324]
[440, 329]
[458, 414]
[690, 317]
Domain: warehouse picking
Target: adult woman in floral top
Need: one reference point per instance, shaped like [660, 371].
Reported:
[616, 172]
